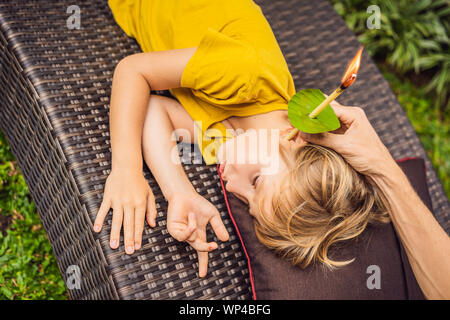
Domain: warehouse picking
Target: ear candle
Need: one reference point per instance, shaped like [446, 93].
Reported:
[291, 134]
[346, 81]
[326, 102]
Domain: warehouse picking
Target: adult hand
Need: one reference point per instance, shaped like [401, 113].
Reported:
[424, 240]
[187, 217]
[356, 141]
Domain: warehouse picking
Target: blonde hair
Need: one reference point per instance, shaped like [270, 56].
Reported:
[320, 201]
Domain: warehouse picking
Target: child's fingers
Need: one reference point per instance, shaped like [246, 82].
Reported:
[200, 243]
[138, 226]
[101, 214]
[219, 228]
[151, 210]
[203, 246]
[184, 233]
[128, 229]
[192, 224]
[116, 227]
[202, 263]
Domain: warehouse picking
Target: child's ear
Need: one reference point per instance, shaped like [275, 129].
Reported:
[293, 144]
[299, 140]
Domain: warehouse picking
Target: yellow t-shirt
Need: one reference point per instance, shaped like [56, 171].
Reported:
[238, 68]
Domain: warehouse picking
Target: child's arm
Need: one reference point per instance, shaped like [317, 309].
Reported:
[126, 190]
[188, 213]
[133, 78]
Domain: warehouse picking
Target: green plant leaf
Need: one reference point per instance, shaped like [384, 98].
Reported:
[302, 104]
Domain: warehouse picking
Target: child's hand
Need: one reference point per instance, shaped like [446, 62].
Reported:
[187, 217]
[130, 196]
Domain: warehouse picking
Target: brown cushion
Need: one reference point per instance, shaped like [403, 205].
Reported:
[273, 278]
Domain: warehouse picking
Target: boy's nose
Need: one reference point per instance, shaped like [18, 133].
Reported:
[228, 187]
[225, 171]
[222, 169]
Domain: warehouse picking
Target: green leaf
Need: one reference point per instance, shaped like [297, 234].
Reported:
[302, 104]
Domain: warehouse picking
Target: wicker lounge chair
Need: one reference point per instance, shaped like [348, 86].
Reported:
[55, 86]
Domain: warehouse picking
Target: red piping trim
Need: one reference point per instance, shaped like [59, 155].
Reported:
[412, 158]
[406, 158]
[252, 281]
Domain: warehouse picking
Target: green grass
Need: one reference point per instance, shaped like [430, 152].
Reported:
[431, 125]
[28, 269]
[411, 33]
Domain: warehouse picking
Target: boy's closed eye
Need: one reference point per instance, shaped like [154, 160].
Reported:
[256, 180]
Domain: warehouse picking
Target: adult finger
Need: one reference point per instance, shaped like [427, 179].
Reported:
[336, 103]
[116, 226]
[327, 139]
[139, 217]
[151, 210]
[101, 214]
[128, 228]
[346, 115]
[219, 228]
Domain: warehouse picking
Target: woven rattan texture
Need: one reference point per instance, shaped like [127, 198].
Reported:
[52, 186]
[56, 85]
[54, 104]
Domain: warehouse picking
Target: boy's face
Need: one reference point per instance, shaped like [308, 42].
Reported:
[251, 165]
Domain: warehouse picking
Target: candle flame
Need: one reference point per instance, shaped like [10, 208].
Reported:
[352, 70]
